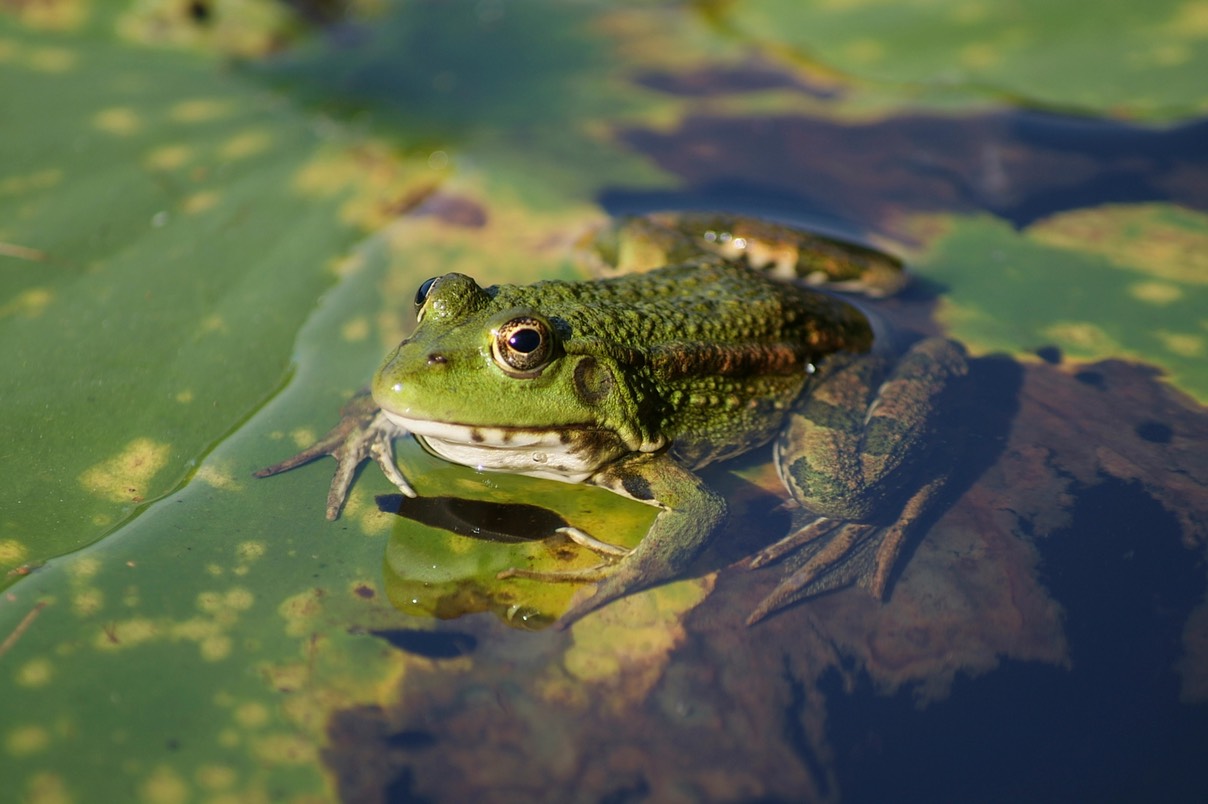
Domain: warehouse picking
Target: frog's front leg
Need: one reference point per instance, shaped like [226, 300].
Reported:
[691, 513]
[363, 432]
[854, 454]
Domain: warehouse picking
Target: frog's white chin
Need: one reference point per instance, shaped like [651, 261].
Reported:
[550, 454]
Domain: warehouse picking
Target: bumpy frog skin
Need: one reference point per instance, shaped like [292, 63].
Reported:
[635, 381]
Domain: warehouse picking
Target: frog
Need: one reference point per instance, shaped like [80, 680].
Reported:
[701, 337]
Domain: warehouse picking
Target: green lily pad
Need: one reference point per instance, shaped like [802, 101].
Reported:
[1116, 57]
[156, 218]
[1122, 281]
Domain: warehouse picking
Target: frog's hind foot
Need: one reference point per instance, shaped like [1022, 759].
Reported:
[835, 563]
[839, 553]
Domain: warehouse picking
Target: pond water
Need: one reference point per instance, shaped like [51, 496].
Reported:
[235, 242]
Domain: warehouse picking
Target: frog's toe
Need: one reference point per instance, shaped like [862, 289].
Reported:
[585, 539]
[836, 563]
[587, 574]
[793, 542]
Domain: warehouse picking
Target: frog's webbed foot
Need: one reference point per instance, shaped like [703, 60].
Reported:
[363, 432]
[837, 553]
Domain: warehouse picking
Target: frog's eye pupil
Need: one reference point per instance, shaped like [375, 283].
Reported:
[525, 340]
[421, 295]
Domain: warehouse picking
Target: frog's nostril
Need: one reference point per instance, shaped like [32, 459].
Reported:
[437, 359]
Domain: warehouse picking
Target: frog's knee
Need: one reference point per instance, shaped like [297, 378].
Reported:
[821, 490]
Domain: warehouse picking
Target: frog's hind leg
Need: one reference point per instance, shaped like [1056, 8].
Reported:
[690, 514]
[851, 454]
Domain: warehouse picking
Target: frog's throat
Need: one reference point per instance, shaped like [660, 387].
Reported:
[569, 454]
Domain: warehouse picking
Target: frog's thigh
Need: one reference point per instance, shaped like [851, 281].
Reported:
[843, 453]
[691, 513]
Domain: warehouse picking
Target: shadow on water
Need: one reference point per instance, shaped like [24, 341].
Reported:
[1018, 165]
[1111, 728]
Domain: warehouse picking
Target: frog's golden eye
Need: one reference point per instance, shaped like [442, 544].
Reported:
[523, 346]
[421, 296]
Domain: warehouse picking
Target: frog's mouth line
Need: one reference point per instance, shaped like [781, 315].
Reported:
[572, 453]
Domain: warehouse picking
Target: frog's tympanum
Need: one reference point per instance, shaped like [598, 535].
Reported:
[689, 354]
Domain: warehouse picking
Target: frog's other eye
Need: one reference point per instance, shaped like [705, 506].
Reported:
[421, 296]
[523, 346]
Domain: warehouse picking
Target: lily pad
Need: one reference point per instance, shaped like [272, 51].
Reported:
[158, 217]
[1119, 57]
[1095, 283]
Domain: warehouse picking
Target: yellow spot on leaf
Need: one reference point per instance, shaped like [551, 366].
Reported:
[168, 157]
[239, 599]
[215, 648]
[201, 110]
[250, 551]
[164, 786]
[245, 144]
[87, 601]
[27, 183]
[284, 749]
[251, 715]
[1182, 344]
[865, 51]
[1168, 54]
[46, 788]
[200, 202]
[219, 478]
[355, 330]
[980, 55]
[1082, 337]
[52, 15]
[125, 634]
[30, 303]
[184, 397]
[84, 568]
[35, 673]
[967, 13]
[125, 477]
[349, 265]
[1156, 292]
[51, 59]
[1191, 21]
[12, 551]
[303, 437]
[25, 740]
[119, 120]
[299, 612]
[215, 777]
[214, 323]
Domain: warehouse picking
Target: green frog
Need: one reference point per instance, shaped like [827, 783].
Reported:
[692, 350]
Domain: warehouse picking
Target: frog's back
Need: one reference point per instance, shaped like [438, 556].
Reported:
[713, 352]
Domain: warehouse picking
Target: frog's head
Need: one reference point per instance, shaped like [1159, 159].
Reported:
[484, 374]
